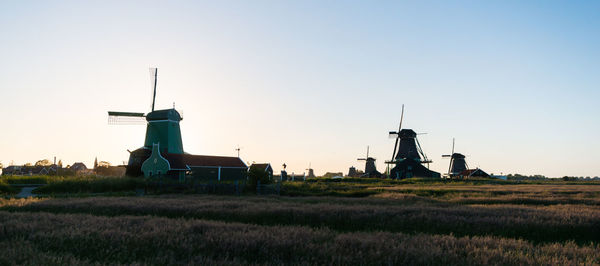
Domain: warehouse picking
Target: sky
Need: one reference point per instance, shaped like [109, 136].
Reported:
[307, 82]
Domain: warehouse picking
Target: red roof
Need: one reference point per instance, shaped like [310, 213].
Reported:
[474, 172]
[180, 161]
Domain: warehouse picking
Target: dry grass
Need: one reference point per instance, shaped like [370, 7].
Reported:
[79, 239]
[579, 223]
[431, 224]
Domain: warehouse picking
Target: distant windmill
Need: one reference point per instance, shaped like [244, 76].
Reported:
[457, 162]
[311, 173]
[370, 167]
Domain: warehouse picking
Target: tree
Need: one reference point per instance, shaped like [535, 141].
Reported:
[96, 163]
[59, 163]
[104, 164]
[1, 166]
[44, 162]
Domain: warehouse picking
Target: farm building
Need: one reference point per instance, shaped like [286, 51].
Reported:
[263, 167]
[29, 170]
[474, 173]
[203, 167]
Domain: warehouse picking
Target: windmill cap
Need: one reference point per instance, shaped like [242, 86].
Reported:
[407, 133]
[168, 114]
[457, 156]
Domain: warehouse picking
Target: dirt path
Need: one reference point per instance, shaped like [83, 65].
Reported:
[26, 192]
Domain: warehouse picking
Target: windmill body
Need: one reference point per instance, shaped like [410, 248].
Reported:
[370, 168]
[408, 145]
[408, 157]
[457, 164]
[163, 128]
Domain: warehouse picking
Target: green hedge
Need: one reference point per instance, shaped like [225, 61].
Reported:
[91, 185]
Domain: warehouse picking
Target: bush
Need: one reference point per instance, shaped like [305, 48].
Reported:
[91, 185]
[7, 189]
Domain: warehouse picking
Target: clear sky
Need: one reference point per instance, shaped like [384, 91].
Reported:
[515, 82]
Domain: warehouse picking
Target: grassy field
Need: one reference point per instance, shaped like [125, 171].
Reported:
[368, 222]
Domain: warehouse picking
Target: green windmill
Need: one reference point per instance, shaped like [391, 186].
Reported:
[163, 136]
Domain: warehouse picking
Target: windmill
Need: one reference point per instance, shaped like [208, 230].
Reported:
[408, 156]
[370, 168]
[162, 130]
[311, 172]
[407, 144]
[457, 162]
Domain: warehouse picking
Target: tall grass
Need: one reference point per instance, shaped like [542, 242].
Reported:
[44, 237]
[7, 188]
[538, 224]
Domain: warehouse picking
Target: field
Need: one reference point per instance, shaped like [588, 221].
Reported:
[366, 222]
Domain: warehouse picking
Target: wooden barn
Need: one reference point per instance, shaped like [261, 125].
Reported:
[266, 167]
[474, 173]
[199, 167]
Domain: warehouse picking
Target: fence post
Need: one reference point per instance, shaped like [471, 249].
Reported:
[237, 188]
[278, 188]
[257, 187]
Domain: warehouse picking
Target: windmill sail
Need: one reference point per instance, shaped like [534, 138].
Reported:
[126, 118]
[153, 77]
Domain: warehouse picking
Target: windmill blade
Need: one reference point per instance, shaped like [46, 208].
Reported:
[153, 76]
[393, 134]
[399, 129]
[420, 150]
[126, 118]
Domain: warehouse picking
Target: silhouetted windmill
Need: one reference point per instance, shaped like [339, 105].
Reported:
[408, 156]
[457, 162]
[369, 163]
[311, 172]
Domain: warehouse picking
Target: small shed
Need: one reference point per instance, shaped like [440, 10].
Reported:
[263, 167]
[474, 173]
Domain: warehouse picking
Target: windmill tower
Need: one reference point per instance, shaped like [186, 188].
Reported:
[162, 130]
[311, 172]
[370, 168]
[408, 156]
[457, 162]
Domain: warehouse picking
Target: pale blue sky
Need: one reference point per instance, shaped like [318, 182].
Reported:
[516, 82]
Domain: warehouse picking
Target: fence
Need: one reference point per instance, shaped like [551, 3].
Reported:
[166, 185]
[272, 189]
[162, 186]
